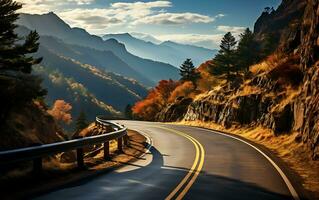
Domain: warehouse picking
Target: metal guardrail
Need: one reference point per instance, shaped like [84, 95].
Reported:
[36, 153]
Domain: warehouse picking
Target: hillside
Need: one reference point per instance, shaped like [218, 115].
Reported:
[169, 52]
[86, 87]
[149, 69]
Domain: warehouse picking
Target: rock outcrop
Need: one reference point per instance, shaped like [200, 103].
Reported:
[306, 108]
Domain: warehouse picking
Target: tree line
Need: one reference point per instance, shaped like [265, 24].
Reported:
[232, 61]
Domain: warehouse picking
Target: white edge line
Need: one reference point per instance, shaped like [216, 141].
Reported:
[282, 174]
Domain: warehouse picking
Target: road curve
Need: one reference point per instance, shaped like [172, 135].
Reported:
[186, 163]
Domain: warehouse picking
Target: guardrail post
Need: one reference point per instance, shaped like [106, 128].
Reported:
[37, 165]
[107, 150]
[80, 157]
[126, 140]
[120, 144]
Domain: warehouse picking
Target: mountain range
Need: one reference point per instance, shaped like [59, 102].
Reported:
[168, 51]
[146, 71]
[101, 76]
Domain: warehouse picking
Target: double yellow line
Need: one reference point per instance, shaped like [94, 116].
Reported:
[182, 188]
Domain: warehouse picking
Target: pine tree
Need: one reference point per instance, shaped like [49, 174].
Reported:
[128, 111]
[188, 72]
[224, 61]
[247, 50]
[18, 86]
[13, 55]
[269, 45]
[81, 122]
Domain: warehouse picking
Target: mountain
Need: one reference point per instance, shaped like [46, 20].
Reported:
[85, 86]
[149, 69]
[170, 52]
[146, 37]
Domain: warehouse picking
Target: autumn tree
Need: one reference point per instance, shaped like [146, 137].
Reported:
[17, 85]
[188, 72]
[81, 122]
[61, 111]
[183, 90]
[156, 99]
[225, 60]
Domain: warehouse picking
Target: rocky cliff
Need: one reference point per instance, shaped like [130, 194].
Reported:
[284, 95]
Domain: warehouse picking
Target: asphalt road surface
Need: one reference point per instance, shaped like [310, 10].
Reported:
[187, 163]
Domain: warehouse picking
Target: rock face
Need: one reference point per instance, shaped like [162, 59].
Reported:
[265, 99]
[275, 22]
[175, 111]
[306, 108]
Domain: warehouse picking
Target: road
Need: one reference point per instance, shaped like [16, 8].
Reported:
[187, 163]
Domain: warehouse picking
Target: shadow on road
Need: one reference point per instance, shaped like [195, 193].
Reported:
[156, 181]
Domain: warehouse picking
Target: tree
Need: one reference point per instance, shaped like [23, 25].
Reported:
[81, 122]
[188, 72]
[13, 55]
[61, 111]
[17, 86]
[128, 111]
[247, 50]
[269, 45]
[224, 61]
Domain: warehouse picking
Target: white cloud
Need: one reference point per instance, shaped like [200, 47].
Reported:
[174, 18]
[205, 40]
[141, 5]
[236, 30]
[44, 6]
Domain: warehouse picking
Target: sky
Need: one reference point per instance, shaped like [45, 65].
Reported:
[198, 22]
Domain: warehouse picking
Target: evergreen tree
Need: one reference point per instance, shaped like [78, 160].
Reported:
[128, 111]
[188, 72]
[269, 45]
[17, 85]
[224, 61]
[81, 122]
[247, 50]
[13, 55]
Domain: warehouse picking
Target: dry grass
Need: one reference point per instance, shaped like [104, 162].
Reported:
[269, 64]
[295, 155]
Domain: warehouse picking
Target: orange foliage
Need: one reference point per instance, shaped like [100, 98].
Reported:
[60, 111]
[207, 81]
[184, 90]
[155, 101]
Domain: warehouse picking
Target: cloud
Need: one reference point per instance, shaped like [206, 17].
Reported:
[130, 15]
[44, 6]
[204, 40]
[141, 5]
[174, 19]
[236, 30]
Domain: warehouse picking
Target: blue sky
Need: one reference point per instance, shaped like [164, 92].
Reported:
[201, 22]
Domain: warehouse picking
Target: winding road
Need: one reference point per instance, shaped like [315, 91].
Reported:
[188, 163]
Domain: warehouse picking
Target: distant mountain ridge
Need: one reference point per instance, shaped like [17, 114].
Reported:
[84, 85]
[169, 52]
[150, 70]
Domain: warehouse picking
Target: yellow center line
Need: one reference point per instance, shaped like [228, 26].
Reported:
[199, 158]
